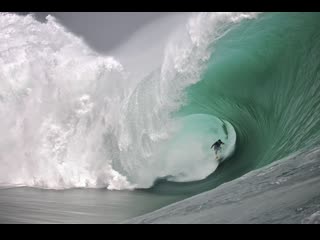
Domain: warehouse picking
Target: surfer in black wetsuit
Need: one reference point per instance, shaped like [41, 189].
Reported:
[217, 146]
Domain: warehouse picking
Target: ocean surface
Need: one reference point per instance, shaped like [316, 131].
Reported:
[92, 137]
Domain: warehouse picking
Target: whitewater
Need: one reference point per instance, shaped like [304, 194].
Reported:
[71, 117]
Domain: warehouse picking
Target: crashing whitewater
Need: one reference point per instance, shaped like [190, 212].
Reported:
[71, 117]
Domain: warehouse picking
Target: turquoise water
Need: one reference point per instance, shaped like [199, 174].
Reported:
[263, 77]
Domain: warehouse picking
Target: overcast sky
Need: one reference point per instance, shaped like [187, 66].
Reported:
[103, 30]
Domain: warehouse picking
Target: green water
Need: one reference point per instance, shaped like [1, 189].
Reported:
[263, 77]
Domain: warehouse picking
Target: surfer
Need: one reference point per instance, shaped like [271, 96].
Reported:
[217, 146]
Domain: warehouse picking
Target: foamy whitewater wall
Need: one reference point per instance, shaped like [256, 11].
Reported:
[71, 117]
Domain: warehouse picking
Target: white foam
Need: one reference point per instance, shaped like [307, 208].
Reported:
[71, 117]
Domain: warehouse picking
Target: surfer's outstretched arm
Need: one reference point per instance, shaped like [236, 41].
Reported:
[212, 145]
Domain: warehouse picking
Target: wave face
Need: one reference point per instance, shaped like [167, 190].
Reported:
[263, 77]
[72, 117]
